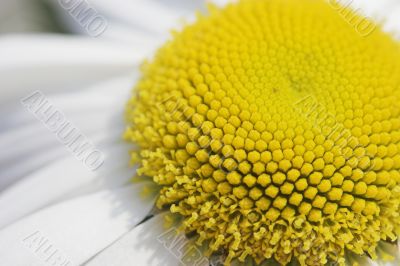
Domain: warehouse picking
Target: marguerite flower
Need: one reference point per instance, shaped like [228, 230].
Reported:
[263, 132]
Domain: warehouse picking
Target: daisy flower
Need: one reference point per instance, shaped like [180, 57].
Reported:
[257, 133]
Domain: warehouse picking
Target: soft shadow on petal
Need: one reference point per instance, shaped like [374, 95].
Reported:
[62, 180]
[53, 63]
[78, 228]
[150, 244]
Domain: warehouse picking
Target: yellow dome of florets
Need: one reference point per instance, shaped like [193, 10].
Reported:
[273, 128]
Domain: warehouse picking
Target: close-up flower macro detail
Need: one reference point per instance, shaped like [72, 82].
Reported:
[220, 116]
[258, 132]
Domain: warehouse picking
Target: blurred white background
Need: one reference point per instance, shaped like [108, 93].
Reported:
[27, 16]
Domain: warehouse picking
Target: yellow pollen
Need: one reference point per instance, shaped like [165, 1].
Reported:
[273, 129]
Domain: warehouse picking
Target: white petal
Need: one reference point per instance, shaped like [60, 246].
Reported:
[28, 163]
[141, 14]
[74, 230]
[64, 179]
[393, 22]
[50, 63]
[373, 8]
[150, 244]
[95, 112]
[124, 33]
[221, 3]
[29, 140]
[386, 11]
[103, 96]
[153, 18]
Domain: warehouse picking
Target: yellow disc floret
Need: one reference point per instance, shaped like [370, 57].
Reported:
[273, 128]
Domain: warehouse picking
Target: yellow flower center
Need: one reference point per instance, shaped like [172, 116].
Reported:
[273, 128]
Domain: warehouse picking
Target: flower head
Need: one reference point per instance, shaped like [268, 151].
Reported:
[272, 127]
